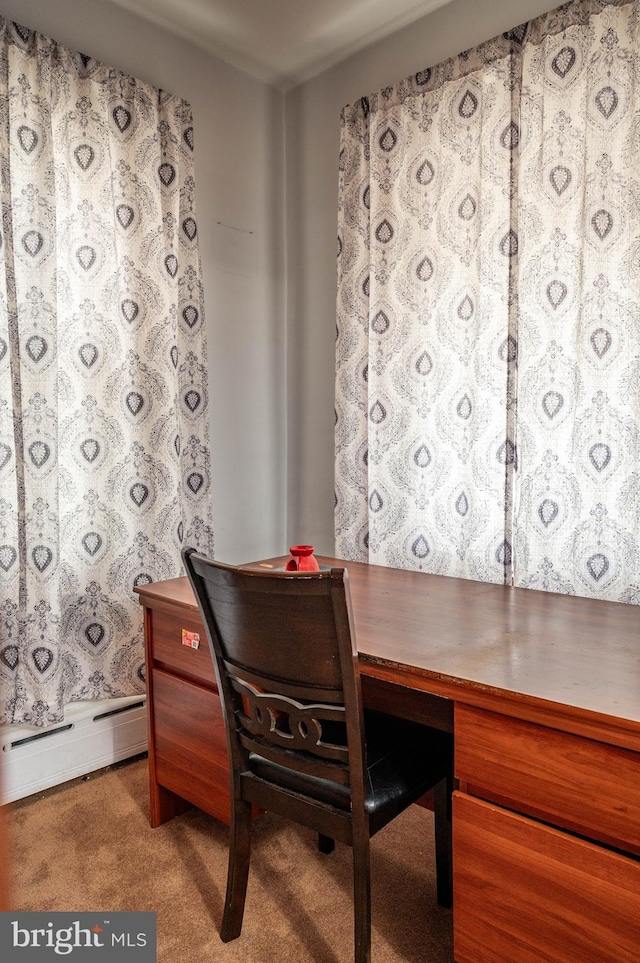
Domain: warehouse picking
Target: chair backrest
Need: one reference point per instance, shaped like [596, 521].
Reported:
[286, 662]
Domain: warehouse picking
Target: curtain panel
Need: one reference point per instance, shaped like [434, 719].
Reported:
[577, 501]
[424, 431]
[487, 425]
[104, 440]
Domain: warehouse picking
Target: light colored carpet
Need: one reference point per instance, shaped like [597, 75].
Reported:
[88, 846]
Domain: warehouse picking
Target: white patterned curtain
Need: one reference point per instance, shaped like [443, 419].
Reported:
[424, 429]
[488, 342]
[104, 450]
[577, 517]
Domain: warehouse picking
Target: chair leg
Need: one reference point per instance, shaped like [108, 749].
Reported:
[362, 899]
[326, 844]
[238, 872]
[444, 848]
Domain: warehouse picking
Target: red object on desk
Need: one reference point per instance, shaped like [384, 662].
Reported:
[302, 559]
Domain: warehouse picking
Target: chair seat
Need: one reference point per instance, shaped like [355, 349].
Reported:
[393, 747]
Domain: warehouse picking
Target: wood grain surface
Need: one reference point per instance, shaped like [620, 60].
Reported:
[570, 663]
[526, 892]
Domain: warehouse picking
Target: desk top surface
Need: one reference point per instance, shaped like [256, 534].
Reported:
[491, 645]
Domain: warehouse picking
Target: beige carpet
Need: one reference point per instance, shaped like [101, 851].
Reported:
[88, 846]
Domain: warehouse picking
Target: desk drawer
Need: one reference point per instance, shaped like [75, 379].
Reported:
[168, 650]
[585, 786]
[527, 892]
[190, 743]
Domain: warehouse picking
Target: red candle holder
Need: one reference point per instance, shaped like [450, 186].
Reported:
[302, 559]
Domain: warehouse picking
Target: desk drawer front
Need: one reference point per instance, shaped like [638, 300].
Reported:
[582, 785]
[167, 646]
[527, 892]
[190, 743]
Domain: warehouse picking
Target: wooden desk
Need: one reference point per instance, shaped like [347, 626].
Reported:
[544, 691]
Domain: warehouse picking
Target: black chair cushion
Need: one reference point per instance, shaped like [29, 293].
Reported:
[395, 775]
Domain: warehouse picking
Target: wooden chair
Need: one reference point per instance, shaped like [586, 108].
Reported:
[300, 743]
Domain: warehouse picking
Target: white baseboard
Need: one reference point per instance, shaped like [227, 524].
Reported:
[93, 735]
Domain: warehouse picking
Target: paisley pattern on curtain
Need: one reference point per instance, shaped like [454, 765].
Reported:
[488, 334]
[424, 391]
[104, 440]
[577, 517]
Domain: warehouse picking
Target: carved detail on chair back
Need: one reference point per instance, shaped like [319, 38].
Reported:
[285, 722]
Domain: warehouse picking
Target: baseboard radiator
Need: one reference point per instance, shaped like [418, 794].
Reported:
[93, 735]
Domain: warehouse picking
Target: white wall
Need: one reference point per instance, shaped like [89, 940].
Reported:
[239, 164]
[313, 130]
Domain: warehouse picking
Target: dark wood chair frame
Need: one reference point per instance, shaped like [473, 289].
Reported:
[284, 651]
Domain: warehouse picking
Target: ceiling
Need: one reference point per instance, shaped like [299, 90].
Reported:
[282, 42]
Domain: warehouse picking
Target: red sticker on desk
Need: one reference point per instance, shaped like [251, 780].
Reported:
[192, 639]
